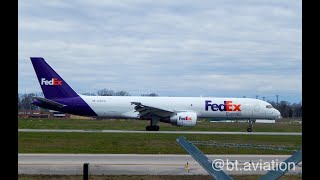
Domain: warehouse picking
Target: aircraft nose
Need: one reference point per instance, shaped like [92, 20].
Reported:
[278, 114]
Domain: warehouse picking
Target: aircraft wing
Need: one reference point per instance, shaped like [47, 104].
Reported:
[146, 110]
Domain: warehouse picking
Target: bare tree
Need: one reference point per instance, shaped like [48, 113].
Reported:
[151, 94]
[89, 94]
[105, 92]
[19, 102]
[288, 110]
[122, 93]
[25, 101]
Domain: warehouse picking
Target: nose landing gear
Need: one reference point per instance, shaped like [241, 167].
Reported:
[251, 121]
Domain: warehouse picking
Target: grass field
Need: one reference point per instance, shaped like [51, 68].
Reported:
[133, 143]
[283, 126]
[146, 177]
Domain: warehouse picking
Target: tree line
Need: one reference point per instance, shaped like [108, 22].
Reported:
[25, 100]
[286, 109]
[107, 92]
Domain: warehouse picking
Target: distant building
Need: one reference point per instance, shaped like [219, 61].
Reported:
[33, 114]
[42, 114]
[57, 114]
[79, 117]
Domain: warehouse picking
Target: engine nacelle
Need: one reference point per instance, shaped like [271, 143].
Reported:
[184, 119]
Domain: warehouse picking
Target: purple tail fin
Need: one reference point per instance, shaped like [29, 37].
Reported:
[53, 86]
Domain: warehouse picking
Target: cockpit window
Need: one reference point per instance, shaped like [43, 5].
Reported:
[269, 106]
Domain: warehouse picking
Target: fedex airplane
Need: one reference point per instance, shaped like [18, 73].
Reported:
[178, 111]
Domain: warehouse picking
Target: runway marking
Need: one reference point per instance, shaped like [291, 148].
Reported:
[107, 164]
[154, 155]
[163, 132]
[128, 164]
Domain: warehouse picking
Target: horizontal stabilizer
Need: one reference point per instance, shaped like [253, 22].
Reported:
[49, 102]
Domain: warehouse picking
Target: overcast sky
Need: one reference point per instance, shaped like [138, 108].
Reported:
[172, 48]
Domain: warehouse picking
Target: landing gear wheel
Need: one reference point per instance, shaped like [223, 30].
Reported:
[156, 128]
[249, 129]
[148, 128]
[152, 128]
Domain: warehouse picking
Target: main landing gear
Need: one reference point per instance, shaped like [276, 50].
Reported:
[251, 121]
[153, 124]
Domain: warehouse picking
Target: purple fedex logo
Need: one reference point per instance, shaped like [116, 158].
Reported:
[226, 106]
[52, 82]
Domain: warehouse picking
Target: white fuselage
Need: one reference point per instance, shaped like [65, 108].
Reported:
[204, 107]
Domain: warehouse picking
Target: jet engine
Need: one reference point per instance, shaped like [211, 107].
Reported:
[182, 119]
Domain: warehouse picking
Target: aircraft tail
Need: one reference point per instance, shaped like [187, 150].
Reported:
[52, 85]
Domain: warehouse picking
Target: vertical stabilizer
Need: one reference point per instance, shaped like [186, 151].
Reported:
[52, 85]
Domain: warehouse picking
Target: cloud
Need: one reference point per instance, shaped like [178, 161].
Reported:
[39, 24]
[252, 47]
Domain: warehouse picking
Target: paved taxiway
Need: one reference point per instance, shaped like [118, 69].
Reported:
[163, 132]
[133, 164]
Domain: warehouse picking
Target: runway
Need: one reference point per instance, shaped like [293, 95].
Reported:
[135, 164]
[163, 132]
